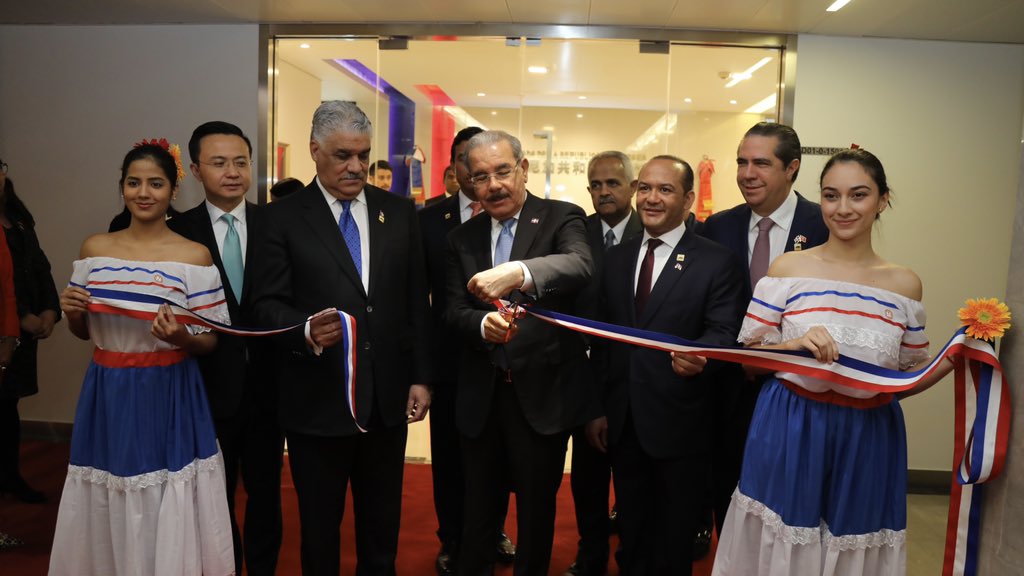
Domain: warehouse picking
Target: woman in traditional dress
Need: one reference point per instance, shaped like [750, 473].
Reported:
[823, 486]
[145, 492]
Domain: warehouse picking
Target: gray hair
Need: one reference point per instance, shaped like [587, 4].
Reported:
[335, 116]
[489, 137]
[627, 165]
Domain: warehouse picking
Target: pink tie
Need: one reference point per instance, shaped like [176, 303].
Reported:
[761, 257]
[476, 208]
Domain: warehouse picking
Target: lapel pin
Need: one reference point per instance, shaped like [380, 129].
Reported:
[447, 215]
[381, 217]
[798, 242]
[679, 266]
[680, 257]
[535, 221]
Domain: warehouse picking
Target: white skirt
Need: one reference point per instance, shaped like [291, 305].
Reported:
[155, 524]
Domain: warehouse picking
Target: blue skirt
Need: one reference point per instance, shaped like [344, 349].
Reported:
[815, 463]
[133, 421]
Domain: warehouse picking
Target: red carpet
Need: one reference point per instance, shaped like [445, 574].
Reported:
[44, 465]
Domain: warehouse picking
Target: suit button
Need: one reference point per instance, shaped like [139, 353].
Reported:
[369, 309]
[366, 345]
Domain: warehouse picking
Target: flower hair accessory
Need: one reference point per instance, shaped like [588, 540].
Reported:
[172, 149]
[985, 319]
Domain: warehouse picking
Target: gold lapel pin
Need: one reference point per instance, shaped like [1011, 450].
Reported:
[535, 221]
[447, 215]
[798, 242]
[381, 217]
[680, 257]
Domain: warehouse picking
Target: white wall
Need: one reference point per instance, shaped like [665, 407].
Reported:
[945, 119]
[73, 101]
[298, 95]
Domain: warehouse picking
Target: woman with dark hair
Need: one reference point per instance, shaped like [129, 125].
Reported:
[145, 491]
[9, 331]
[38, 311]
[823, 484]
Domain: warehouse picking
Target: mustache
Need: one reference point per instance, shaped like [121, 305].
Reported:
[605, 200]
[498, 197]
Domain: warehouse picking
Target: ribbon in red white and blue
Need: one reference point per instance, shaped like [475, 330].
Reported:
[144, 306]
[982, 404]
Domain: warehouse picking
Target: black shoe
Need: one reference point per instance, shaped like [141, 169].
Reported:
[506, 549]
[701, 544]
[580, 568]
[445, 564]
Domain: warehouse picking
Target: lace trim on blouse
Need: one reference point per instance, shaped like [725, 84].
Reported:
[798, 535]
[147, 480]
[851, 336]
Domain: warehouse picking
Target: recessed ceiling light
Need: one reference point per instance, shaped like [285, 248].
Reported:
[579, 115]
[732, 101]
[548, 128]
[537, 70]
[560, 188]
[582, 97]
[303, 45]
[837, 5]
[494, 112]
[481, 94]
[687, 100]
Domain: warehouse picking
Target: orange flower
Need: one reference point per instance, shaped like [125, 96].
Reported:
[986, 319]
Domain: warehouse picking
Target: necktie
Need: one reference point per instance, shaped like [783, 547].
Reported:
[609, 239]
[761, 256]
[475, 206]
[643, 283]
[231, 255]
[350, 232]
[503, 247]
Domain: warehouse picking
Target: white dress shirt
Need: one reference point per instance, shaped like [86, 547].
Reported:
[661, 253]
[619, 229]
[778, 235]
[220, 227]
[465, 210]
[360, 214]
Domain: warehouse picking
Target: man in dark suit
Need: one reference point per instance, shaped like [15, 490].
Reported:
[657, 423]
[520, 384]
[340, 243]
[436, 221]
[772, 220]
[242, 393]
[614, 221]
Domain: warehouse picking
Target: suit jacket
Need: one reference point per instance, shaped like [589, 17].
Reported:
[545, 361]
[436, 221]
[587, 304]
[225, 369]
[305, 267]
[698, 296]
[730, 228]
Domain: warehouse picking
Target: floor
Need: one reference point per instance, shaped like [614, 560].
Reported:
[926, 533]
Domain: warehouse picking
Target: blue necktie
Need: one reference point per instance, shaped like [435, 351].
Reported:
[503, 247]
[350, 232]
[231, 255]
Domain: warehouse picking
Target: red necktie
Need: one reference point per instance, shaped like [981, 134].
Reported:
[761, 257]
[643, 283]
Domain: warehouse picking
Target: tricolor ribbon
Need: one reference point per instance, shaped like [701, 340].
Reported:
[981, 392]
[144, 306]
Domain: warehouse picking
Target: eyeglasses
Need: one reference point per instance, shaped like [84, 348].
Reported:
[240, 163]
[502, 175]
[3, 166]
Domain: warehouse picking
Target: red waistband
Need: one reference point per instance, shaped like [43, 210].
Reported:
[838, 398]
[137, 359]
